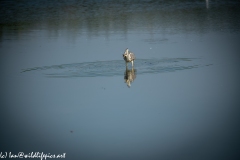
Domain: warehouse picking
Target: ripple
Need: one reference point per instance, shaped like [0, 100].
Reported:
[115, 67]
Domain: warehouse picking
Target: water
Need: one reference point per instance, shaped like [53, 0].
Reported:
[113, 67]
[65, 87]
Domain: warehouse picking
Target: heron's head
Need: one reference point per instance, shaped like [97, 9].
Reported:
[125, 53]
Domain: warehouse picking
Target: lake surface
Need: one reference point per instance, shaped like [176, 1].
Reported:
[65, 87]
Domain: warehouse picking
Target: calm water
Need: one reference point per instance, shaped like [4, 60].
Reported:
[65, 87]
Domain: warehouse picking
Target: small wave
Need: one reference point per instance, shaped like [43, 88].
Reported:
[115, 67]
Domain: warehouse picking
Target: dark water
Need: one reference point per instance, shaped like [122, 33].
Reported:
[65, 87]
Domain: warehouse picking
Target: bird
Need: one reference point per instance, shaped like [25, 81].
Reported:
[129, 76]
[128, 56]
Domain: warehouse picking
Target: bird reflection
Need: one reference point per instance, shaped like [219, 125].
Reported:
[129, 76]
[207, 4]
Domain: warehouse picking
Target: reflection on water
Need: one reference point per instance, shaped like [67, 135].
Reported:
[207, 4]
[129, 76]
[106, 17]
[116, 67]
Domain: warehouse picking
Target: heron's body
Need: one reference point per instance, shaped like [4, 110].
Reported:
[128, 56]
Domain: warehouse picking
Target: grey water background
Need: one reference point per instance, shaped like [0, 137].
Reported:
[63, 79]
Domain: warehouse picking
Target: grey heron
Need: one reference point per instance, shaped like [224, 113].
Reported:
[128, 56]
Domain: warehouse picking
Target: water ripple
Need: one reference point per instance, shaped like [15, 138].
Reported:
[115, 67]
